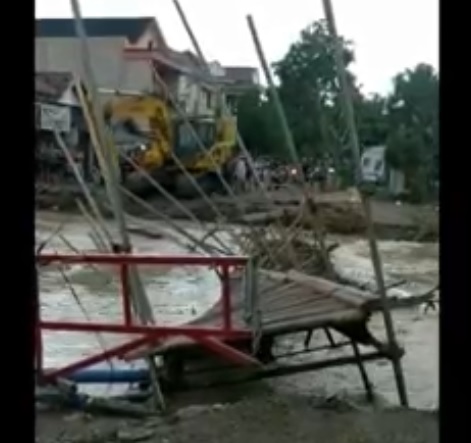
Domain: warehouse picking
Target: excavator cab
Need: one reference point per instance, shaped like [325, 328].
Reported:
[218, 138]
[186, 146]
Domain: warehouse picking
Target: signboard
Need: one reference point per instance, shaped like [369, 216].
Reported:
[52, 117]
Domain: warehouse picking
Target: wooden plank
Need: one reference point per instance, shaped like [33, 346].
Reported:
[313, 322]
[299, 293]
[350, 295]
[228, 352]
[298, 303]
[295, 314]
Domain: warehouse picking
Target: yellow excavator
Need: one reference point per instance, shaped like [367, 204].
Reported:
[146, 128]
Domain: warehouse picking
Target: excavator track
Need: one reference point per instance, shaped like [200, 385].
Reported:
[208, 182]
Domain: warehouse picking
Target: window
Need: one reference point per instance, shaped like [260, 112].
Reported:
[186, 145]
[208, 99]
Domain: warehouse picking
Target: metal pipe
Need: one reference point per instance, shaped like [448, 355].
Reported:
[226, 298]
[127, 311]
[93, 376]
[142, 259]
[151, 332]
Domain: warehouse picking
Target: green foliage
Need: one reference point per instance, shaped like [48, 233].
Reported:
[371, 115]
[413, 119]
[309, 88]
[406, 120]
[258, 125]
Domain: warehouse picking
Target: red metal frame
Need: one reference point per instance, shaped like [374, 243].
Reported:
[150, 335]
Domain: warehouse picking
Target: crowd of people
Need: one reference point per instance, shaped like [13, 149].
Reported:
[273, 174]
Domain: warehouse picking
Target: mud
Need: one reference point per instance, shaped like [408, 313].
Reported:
[266, 419]
[340, 212]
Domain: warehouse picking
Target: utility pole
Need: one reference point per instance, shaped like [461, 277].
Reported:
[346, 100]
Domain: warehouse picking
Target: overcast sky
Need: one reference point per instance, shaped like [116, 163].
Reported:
[389, 35]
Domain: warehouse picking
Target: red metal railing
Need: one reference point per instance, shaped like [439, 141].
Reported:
[148, 334]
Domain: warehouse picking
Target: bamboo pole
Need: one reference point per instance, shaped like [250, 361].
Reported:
[285, 129]
[289, 141]
[282, 230]
[355, 146]
[206, 152]
[208, 249]
[140, 302]
[171, 198]
[84, 187]
[168, 196]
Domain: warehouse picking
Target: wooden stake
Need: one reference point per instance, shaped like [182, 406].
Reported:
[110, 171]
[289, 141]
[355, 146]
[363, 374]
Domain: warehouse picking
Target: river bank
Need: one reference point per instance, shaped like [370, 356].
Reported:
[178, 295]
[295, 409]
[264, 419]
[340, 212]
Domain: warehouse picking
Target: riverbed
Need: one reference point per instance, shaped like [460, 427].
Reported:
[180, 294]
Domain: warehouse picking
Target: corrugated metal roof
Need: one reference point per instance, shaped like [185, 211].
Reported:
[187, 63]
[131, 28]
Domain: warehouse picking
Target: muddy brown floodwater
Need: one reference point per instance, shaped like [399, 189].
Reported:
[179, 294]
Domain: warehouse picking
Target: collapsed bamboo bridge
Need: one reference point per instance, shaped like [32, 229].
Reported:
[263, 297]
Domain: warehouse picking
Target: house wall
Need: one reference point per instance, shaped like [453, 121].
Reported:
[194, 98]
[148, 38]
[69, 98]
[114, 71]
[396, 182]
[110, 68]
[216, 69]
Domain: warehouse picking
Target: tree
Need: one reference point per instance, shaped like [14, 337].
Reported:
[258, 125]
[413, 127]
[406, 121]
[309, 88]
[372, 122]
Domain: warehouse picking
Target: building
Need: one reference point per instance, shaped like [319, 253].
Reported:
[57, 49]
[375, 169]
[124, 52]
[188, 80]
[235, 80]
[241, 79]
[57, 109]
[56, 103]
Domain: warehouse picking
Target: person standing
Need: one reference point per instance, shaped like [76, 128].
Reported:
[240, 175]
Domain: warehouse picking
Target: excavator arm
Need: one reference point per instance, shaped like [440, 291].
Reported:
[146, 115]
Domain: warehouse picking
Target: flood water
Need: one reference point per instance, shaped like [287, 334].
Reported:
[416, 330]
[180, 294]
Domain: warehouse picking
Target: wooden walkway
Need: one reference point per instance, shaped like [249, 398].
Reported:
[288, 303]
[291, 306]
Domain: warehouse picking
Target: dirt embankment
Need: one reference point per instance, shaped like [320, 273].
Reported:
[268, 419]
[340, 212]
